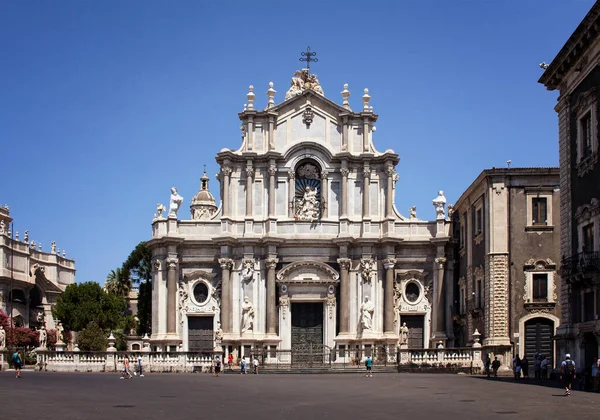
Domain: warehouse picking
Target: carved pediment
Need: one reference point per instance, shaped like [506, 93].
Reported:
[307, 272]
[198, 274]
[540, 265]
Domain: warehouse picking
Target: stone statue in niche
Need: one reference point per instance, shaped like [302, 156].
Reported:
[404, 334]
[366, 314]
[43, 337]
[307, 208]
[175, 203]
[247, 315]
[218, 336]
[2, 338]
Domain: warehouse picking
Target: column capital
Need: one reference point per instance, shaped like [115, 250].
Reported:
[250, 172]
[157, 265]
[271, 263]
[344, 263]
[390, 170]
[272, 170]
[389, 263]
[324, 175]
[172, 263]
[345, 172]
[367, 266]
[226, 263]
[291, 174]
[226, 170]
[367, 172]
[441, 261]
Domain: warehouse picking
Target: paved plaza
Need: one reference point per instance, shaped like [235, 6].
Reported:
[65, 396]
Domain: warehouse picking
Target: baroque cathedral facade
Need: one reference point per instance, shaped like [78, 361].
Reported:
[306, 247]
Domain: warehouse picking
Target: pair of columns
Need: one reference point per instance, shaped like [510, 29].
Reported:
[226, 295]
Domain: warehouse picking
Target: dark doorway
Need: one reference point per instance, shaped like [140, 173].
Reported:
[590, 348]
[307, 332]
[200, 333]
[538, 339]
[415, 325]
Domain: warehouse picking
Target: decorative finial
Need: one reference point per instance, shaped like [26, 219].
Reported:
[245, 107]
[40, 246]
[26, 237]
[17, 235]
[64, 253]
[345, 95]
[53, 247]
[250, 97]
[366, 98]
[308, 56]
[271, 94]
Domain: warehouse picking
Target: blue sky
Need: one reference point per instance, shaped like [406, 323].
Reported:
[106, 105]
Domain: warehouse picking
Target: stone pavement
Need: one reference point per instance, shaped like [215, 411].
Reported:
[95, 396]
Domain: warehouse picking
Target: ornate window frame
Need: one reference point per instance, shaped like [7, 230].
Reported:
[549, 222]
[532, 267]
[478, 230]
[478, 282]
[192, 287]
[586, 214]
[587, 103]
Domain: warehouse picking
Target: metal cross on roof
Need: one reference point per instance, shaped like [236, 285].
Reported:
[308, 56]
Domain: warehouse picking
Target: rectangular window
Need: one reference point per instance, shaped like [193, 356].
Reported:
[461, 239]
[540, 211]
[479, 221]
[585, 124]
[540, 287]
[588, 306]
[479, 295]
[588, 238]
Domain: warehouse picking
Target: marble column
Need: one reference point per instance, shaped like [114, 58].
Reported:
[172, 295]
[388, 301]
[366, 186]
[324, 194]
[271, 264]
[291, 192]
[249, 185]
[344, 295]
[226, 296]
[439, 308]
[389, 199]
[226, 199]
[272, 181]
[345, 172]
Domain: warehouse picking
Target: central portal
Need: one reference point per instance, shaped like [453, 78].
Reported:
[307, 333]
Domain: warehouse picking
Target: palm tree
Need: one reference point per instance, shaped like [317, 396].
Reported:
[118, 283]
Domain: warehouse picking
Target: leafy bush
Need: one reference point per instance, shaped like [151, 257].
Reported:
[92, 338]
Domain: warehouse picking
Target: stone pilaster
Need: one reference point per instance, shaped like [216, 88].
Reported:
[291, 192]
[226, 298]
[226, 170]
[249, 189]
[366, 186]
[324, 193]
[272, 181]
[389, 199]
[172, 263]
[344, 295]
[439, 306]
[496, 300]
[344, 187]
[388, 302]
[271, 264]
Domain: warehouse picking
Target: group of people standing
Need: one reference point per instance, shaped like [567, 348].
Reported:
[217, 365]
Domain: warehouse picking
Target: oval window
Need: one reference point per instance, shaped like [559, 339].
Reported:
[200, 293]
[412, 292]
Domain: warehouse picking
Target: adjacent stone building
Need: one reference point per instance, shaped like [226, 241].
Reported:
[506, 229]
[575, 73]
[306, 249]
[30, 279]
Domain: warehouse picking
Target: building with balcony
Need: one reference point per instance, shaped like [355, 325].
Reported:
[506, 234]
[30, 279]
[575, 73]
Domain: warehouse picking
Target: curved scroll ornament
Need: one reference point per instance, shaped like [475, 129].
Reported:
[248, 270]
[397, 300]
[183, 298]
[367, 267]
[331, 304]
[284, 302]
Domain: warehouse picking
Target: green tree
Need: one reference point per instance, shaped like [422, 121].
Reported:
[139, 268]
[82, 303]
[118, 282]
[92, 338]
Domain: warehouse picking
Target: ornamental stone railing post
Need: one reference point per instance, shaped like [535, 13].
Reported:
[226, 320]
[172, 263]
[271, 264]
[388, 302]
[344, 295]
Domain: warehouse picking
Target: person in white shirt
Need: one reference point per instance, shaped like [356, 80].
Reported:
[255, 363]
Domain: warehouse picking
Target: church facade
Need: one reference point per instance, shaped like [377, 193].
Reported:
[306, 248]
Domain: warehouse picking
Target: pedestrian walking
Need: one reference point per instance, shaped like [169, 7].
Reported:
[140, 366]
[596, 373]
[567, 373]
[537, 366]
[255, 363]
[544, 368]
[243, 366]
[230, 361]
[369, 366]
[488, 364]
[18, 362]
[496, 366]
[517, 367]
[217, 366]
[525, 366]
[125, 373]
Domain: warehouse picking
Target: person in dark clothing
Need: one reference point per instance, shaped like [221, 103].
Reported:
[496, 366]
[567, 373]
[517, 367]
[537, 365]
[488, 364]
[525, 366]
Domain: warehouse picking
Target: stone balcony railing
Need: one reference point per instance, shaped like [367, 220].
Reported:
[580, 267]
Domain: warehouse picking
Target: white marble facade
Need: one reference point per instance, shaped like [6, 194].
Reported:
[306, 215]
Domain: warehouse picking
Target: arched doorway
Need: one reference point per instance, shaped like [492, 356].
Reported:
[539, 333]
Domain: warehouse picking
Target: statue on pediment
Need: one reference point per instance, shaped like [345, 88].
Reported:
[302, 81]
